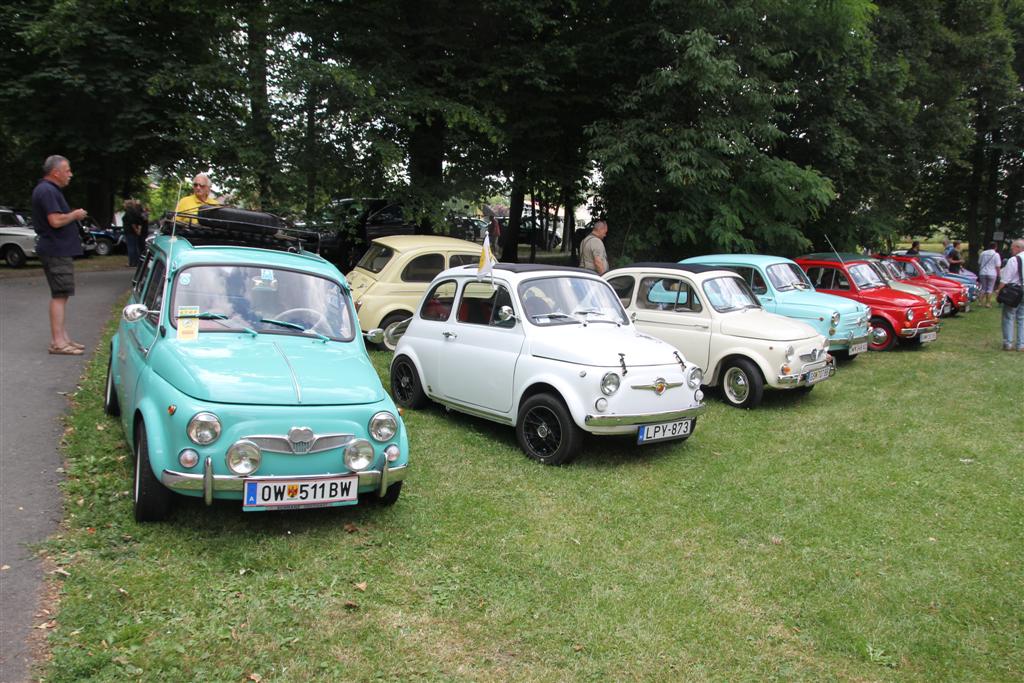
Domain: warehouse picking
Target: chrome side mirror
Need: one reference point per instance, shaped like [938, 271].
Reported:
[505, 314]
[395, 332]
[374, 336]
[135, 312]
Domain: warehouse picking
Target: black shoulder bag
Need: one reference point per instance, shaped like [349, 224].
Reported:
[1012, 292]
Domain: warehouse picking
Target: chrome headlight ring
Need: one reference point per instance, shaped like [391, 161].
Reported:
[383, 426]
[610, 383]
[694, 377]
[204, 428]
[244, 457]
[835, 318]
[910, 315]
[358, 454]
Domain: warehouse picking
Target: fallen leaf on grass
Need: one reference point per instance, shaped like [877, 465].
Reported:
[62, 572]
[122, 592]
[361, 586]
[351, 528]
[100, 427]
[47, 624]
[577, 648]
[255, 678]
[351, 605]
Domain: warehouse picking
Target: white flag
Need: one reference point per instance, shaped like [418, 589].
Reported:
[487, 259]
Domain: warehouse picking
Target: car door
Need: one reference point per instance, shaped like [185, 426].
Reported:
[429, 328]
[136, 338]
[670, 308]
[478, 361]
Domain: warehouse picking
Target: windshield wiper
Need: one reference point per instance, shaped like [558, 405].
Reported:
[557, 315]
[296, 326]
[595, 312]
[218, 318]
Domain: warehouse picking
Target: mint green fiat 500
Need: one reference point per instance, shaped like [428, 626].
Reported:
[239, 372]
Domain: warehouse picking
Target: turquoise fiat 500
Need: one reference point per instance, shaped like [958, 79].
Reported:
[782, 287]
[239, 372]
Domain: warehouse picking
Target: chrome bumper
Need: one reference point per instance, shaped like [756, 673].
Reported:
[921, 327]
[210, 483]
[800, 379]
[637, 420]
[843, 344]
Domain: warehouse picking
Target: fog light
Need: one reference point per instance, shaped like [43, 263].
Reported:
[392, 452]
[601, 405]
[244, 457]
[358, 454]
[698, 395]
[188, 458]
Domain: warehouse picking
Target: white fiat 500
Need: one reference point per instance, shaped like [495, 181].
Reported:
[711, 315]
[546, 349]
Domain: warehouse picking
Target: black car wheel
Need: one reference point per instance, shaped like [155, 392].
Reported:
[104, 247]
[546, 431]
[151, 498]
[405, 384]
[742, 385]
[110, 403]
[390, 497]
[14, 256]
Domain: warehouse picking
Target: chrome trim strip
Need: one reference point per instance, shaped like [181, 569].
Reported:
[478, 412]
[629, 420]
[654, 387]
[189, 481]
[273, 443]
[295, 378]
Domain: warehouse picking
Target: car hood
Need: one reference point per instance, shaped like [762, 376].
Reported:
[886, 296]
[816, 305]
[600, 345]
[359, 281]
[268, 370]
[755, 323]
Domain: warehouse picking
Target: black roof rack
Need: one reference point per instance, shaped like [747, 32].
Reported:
[231, 226]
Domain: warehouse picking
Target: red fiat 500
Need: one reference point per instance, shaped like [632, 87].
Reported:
[894, 315]
[914, 274]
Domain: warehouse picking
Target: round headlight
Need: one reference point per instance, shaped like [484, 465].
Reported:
[383, 426]
[609, 383]
[358, 454]
[910, 314]
[204, 428]
[694, 376]
[835, 318]
[244, 457]
[789, 352]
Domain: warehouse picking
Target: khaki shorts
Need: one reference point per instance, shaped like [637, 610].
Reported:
[60, 274]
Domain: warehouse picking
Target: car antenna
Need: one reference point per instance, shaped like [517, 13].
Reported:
[164, 300]
[833, 249]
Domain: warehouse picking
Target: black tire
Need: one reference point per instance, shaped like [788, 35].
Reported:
[14, 256]
[883, 337]
[405, 384]
[742, 384]
[104, 247]
[390, 497]
[391, 320]
[111, 406]
[546, 432]
[152, 499]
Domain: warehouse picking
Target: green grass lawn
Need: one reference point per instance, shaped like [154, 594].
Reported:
[871, 530]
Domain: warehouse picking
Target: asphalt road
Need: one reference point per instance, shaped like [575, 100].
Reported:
[32, 402]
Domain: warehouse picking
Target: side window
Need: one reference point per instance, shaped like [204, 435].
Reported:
[840, 281]
[437, 305]
[757, 283]
[668, 294]
[820, 277]
[623, 286]
[139, 279]
[909, 270]
[155, 291]
[479, 299]
[462, 260]
[423, 268]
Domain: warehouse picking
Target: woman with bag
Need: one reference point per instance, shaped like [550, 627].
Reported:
[1009, 294]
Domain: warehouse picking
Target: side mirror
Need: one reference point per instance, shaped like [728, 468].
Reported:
[395, 332]
[375, 336]
[505, 314]
[135, 312]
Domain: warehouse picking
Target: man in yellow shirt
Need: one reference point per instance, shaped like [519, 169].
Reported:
[200, 197]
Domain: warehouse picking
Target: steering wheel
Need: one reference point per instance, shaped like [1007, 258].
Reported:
[320, 318]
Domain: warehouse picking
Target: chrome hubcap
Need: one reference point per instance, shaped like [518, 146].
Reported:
[736, 385]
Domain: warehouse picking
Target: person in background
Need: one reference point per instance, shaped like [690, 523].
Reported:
[1013, 316]
[58, 243]
[946, 247]
[915, 248]
[200, 197]
[494, 235]
[134, 235]
[956, 261]
[593, 255]
[988, 271]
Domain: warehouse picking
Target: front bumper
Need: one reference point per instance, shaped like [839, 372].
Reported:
[647, 418]
[210, 483]
[920, 328]
[799, 379]
[837, 344]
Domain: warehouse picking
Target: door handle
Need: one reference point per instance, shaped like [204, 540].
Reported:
[450, 335]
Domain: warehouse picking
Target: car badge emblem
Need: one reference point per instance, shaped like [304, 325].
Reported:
[659, 387]
[301, 439]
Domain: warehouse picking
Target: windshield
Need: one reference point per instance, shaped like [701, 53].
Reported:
[788, 276]
[261, 300]
[865, 276]
[729, 294]
[880, 271]
[893, 270]
[570, 300]
[375, 258]
[929, 266]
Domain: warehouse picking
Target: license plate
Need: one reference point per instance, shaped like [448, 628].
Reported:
[858, 348]
[664, 431]
[279, 493]
[928, 336]
[815, 376]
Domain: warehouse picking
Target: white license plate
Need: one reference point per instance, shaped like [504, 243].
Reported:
[665, 430]
[858, 348]
[928, 337]
[303, 493]
[815, 376]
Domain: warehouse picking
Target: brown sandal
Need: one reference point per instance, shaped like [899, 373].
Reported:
[68, 350]
[76, 345]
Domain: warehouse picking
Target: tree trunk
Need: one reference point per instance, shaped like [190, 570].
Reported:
[260, 134]
[974, 188]
[568, 223]
[991, 201]
[426, 164]
[510, 240]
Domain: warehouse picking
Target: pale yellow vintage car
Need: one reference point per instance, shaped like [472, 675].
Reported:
[390, 279]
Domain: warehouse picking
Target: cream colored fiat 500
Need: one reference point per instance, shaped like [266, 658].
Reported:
[711, 315]
[546, 349]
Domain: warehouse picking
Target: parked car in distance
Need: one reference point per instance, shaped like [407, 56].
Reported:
[783, 288]
[390, 279]
[912, 270]
[17, 239]
[348, 226]
[891, 280]
[936, 264]
[713, 318]
[108, 240]
[894, 315]
[239, 373]
[549, 350]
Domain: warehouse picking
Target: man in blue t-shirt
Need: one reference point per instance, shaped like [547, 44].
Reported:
[59, 242]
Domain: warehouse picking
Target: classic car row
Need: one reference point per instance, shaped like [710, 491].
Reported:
[240, 371]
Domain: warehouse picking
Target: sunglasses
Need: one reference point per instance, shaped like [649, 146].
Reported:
[199, 185]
